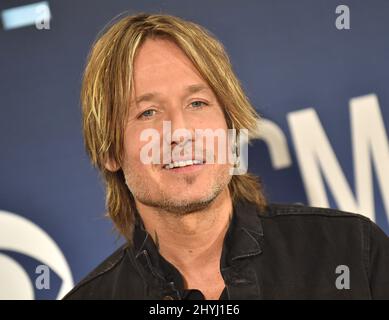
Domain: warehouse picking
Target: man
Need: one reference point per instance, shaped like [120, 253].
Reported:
[194, 229]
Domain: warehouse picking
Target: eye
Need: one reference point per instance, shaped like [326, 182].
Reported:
[198, 104]
[147, 114]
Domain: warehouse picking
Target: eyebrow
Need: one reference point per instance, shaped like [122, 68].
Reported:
[194, 88]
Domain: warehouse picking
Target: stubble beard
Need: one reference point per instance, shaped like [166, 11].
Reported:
[166, 204]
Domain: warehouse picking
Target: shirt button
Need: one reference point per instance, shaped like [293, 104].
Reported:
[167, 298]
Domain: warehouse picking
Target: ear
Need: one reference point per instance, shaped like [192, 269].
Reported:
[111, 165]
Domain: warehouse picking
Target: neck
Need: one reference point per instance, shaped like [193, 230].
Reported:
[192, 241]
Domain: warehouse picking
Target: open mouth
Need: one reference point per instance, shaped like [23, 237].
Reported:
[182, 164]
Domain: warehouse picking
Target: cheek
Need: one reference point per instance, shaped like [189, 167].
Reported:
[132, 146]
[139, 153]
[215, 121]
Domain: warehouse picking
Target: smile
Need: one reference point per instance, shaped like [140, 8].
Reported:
[182, 163]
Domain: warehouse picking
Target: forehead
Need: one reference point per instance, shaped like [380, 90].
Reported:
[160, 65]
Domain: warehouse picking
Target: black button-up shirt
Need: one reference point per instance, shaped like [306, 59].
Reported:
[285, 252]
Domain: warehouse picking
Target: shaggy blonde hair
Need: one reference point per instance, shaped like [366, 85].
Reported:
[106, 92]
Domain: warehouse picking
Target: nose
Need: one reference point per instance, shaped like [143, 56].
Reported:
[180, 128]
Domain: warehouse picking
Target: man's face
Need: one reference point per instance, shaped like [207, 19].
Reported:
[167, 87]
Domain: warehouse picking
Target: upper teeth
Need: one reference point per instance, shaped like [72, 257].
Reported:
[184, 163]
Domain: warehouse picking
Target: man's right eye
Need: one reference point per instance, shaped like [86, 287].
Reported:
[147, 114]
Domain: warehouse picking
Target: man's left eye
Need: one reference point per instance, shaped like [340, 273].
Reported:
[198, 104]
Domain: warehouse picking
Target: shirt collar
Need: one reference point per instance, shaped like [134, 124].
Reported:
[244, 234]
[243, 238]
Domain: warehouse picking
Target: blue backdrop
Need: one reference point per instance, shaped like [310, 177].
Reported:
[322, 91]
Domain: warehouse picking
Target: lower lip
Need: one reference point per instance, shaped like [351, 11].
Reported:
[187, 169]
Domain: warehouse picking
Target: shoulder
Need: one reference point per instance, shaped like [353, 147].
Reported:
[299, 211]
[300, 223]
[99, 282]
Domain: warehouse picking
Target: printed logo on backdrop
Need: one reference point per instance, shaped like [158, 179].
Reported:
[17, 234]
[318, 163]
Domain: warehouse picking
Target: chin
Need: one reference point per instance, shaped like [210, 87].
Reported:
[192, 198]
[193, 193]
